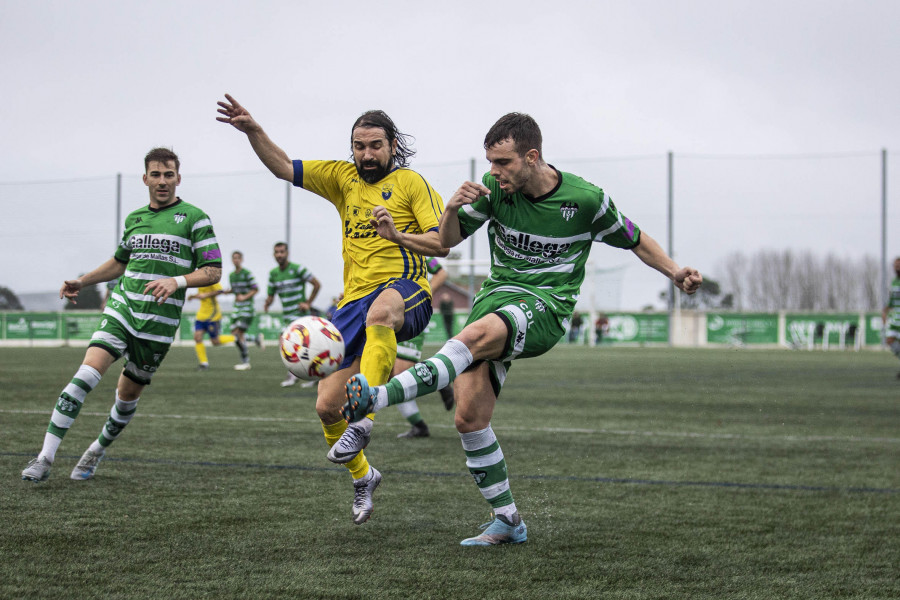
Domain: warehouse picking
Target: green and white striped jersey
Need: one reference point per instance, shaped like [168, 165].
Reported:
[540, 245]
[159, 243]
[290, 285]
[242, 282]
[894, 304]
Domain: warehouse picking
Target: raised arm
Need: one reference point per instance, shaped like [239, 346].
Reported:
[105, 272]
[686, 279]
[275, 159]
[467, 193]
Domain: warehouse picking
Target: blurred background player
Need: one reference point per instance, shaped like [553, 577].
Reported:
[288, 281]
[243, 286]
[542, 223]
[389, 216]
[208, 321]
[167, 246]
[890, 316]
[409, 353]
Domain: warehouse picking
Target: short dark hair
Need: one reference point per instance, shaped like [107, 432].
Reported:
[518, 127]
[238, 252]
[162, 155]
[280, 244]
[379, 118]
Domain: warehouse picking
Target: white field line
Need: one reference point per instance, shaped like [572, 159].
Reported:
[567, 430]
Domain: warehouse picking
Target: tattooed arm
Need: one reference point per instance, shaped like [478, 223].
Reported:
[161, 289]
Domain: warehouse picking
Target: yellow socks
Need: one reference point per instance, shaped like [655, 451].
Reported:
[359, 466]
[200, 349]
[379, 354]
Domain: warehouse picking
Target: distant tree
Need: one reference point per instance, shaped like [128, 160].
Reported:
[9, 300]
[772, 280]
[89, 298]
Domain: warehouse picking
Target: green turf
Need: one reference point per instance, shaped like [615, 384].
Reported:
[641, 473]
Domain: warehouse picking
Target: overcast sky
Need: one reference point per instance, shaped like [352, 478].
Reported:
[776, 111]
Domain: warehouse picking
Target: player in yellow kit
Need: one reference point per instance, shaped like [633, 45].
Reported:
[389, 220]
[208, 320]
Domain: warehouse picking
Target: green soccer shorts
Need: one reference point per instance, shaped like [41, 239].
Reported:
[533, 328]
[142, 357]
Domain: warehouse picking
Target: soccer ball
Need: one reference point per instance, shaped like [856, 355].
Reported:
[311, 348]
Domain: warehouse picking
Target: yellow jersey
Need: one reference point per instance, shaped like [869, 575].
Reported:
[370, 260]
[209, 307]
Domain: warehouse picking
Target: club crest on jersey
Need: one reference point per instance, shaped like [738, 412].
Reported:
[568, 210]
[386, 190]
[179, 217]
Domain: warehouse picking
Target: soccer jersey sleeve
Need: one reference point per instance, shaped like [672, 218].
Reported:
[204, 243]
[426, 205]
[472, 216]
[322, 177]
[613, 228]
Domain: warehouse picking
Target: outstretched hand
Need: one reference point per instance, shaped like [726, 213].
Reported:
[70, 289]
[236, 115]
[688, 280]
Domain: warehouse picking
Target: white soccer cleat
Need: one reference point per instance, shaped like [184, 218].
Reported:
[351, 443]
[291, 380]
[501, 530]
[37, 470]
[87, 465]
[242, 367]
[363, 506]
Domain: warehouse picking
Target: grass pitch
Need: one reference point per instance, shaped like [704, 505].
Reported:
[641, 473]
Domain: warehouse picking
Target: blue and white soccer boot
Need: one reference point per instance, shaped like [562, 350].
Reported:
[87, 465]
[500, 531]
[37, 469]
[360, 399]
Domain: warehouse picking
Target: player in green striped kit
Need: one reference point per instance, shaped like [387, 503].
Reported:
[243, 286]
[167, 246]
[288, 280]
[890, 316]
[541, 224]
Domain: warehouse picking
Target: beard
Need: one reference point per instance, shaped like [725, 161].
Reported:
[374, 175]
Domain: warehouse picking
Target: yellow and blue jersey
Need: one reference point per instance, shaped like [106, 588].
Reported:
[370, 260]
[209, 307]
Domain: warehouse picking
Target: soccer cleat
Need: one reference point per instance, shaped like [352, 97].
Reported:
[447, 397]
[242, 367]
[363, 507]
[291, 380]
[360, 399]
[203, 367]
[351, 443]
[87, 465]
[260, 341]
[420, 429]
[500, 531]
[37, 469]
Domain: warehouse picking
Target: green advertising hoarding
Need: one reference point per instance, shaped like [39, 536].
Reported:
[637, 328]
[821, 330]
[874, 329]
[32, 326]
[739, 329]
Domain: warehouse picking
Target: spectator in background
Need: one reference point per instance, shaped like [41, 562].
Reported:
[601, 328]
[575, 328]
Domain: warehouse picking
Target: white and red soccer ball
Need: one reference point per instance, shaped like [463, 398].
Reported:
[311, 348]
